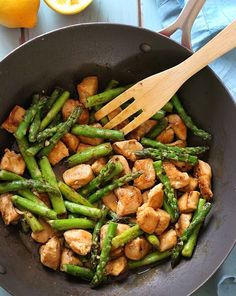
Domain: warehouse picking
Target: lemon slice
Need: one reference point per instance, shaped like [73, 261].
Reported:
[68, 6]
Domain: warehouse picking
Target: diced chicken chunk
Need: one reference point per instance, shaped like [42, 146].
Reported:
[68, 257]
[148, 177]
[44, 235]
[193, 184]
[9, 213]
[110, 201]
[117, 266]
[179, 143]
[12, 162]
[168, 240]
[92, 141]
[43, 196]
[182, 166]
[13, 120]
[142, 130]
[166, 136]
[145, 196]
[120, 229]
[177, 178]
[98, 165]
[80, 241]
[163, 221]
[82, 147]
[183, 223]
[78, 175]
[137, 248]
[69, 107]
[71, 141]
[188, 202]
[178, 126]
[129, 199]
[59, 152]
[203, 173]
[147, 219]
[87, 87]
[127, 148]
[155, 197]
[124, 162]
[116, 252]
[113, 114]
[50, 253]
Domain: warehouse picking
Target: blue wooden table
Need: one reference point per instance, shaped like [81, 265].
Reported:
[133, 12]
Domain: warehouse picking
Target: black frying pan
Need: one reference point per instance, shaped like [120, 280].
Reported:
[127, 54]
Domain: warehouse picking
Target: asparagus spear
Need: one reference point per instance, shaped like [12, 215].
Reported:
[72, 195]
[51, 100]
[188, 120]
[97, 132]
[48, 132]
[189, 150]
[168, 107]
[115, 184]
[149, 259]
[104, 257]
[33, 222]
[65, 224]
[30, 161]
[56, 107]
[90, 153]
[72, 216]
[153, 240]
[126, 236]
[33, 207]
[33, 150]
[49, 176]
[159, 115]
[61, 131]
[83, 210]
[191, 243]
[168, 209]
[95, 240]
[105, 96]
[78, 271]
[165, 154]
[109, 171]
[119, 219]
[199, 218]
[157, 129]
[40, 186]
[169, 191]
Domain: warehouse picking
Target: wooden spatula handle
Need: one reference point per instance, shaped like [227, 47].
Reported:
[219, 45]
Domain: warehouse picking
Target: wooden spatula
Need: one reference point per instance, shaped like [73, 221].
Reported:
[153, 92]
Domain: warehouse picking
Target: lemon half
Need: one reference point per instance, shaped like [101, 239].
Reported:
[68, 6]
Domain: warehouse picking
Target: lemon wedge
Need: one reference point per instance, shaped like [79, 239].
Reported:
[68, 6]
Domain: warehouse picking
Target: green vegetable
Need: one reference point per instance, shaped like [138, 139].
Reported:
[33, 222]
[83, 210]
[153, 240]
[51, 100]
[48, 132]
[78, 271]
[65, 224]
[168, 107]
[157, 129]
[126, 236]
[159, 115]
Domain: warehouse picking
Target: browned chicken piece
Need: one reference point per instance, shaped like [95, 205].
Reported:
[87, 87]
[178, 126]
[193, 184]
[69, 107]
[124, 162]
[145, 196]
[59, 152]
[148, 177]
[14, 119]
[188, 202]
[80, 241]
[78, 176]
[92, 141]
[113, 114]
[202, 172]
[12, 162]
[177, 178]
[9, 213]
[71, 141]
[110, 201]
[129, 199]
[163, 221]
[117, 266]
[182, 166]
[142, 130]
[115, 253]
[82, 147]
[98, 164]
[166, 136]
[183, 223]
[43, 196]
[50, 253]
[147, 219]
[179, 143]
[137, 248]
[155, 197]
[68, 257]
[127, 148]
[168, 240]
[44, 235]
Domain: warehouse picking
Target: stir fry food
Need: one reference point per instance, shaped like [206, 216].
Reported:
[97, 202]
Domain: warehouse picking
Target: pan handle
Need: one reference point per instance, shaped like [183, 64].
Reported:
[185, 21]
